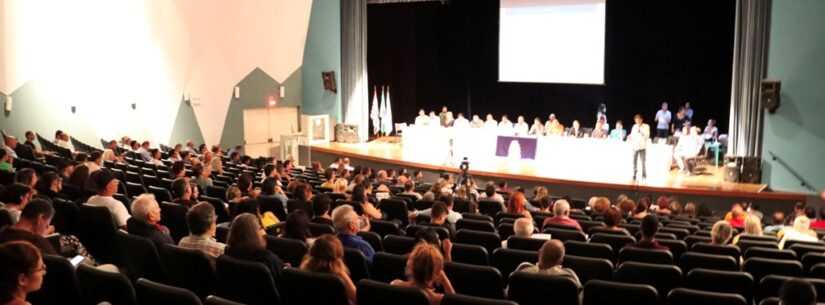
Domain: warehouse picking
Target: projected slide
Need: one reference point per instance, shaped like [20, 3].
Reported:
[552, 41]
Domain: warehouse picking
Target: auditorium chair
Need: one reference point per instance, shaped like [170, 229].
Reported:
[505, 230]
[565, 235]
[489, 207]
[684, 296]
[507, 260]
[293, 205]
[691, 228]
[677, 247]
[133, 176]
[422, 204]
[771, 285]
[791, 243]
[605, 230]
[588, 224]
[721, 281]
[502, 216]
[318, 229]
[376, 293]
[173, 216]
[652, 256]
[272, 204]
[65, 216]
[161, 193]
[598, 292]
[537, 289]
[680, 233]
[220, 208]
[745, 244]
[247, 282]
[137, 257]
[588, 268]
[691, 260]
[413, 230]
[398, 244]
[817, 271]
[188, 268]
[357, 263]
[384, 228]
[373, 239]
[477, 225]
[617, 242]
[703, 247]
[98, 286]
[215, 191]
[488, 240]
[96, 230]
[662, 277]
[303, 287]
[773, 253]
[60, 285]
[387, 267]
[395, 210]
[760, 267]
[461, 205]
[470, 254]
[595, 250]
[767, 238]
[481, 217]
[214, 300]
[289, 250]
[475, 280]
[632, 228]
[460, 299]
[521, 243]
[799, 249]
[152, 293]
[811, 259]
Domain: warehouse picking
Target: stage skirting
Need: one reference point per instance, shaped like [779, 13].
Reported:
[586, 159]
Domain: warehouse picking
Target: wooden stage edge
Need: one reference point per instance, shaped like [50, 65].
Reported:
[732, 190]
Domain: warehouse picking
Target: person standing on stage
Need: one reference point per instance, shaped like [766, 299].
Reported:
[422, 119]
[711, 132]
[537, 129]
[638, 138]
[476, 122]
[662, 121]
[490, 122]
[521, 126]
[680, 123]
[461, 122]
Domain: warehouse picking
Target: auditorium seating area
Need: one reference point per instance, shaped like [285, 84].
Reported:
[692, 271]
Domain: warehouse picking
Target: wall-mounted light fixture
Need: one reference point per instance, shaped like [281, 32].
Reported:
[74, 109]
[282, 91]
[8, 103]
[134, 106]
[237, 92]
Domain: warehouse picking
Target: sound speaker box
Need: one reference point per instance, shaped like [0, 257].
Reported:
[751, 170]
[732, 172]
[346, 133]
[770, 94]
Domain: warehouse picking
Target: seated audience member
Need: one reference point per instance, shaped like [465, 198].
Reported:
[348, 224]
[340, 186]
[819, 223]
[321, 205]
[430, 236]
[752, 228]
[797, 291]
[663, 205]
[27, 150]
[439, 214]
[144, 152]
[753, 209]
[736, 216]
[201, 175]
[689, 211]
[106, 186]
[618, 133]
[721, 233]
[145, 220]
[561, 212]
[612, 219]
[33, 227]
[5, 162]
[50, 186]
[156, 157]
[518, 205]
[626, 207]
[202, 223]
[777, 223]
[11, 147]
[330, 173]
[16, 197]
[800, 231]
[26, 176]
[599, 205]
[246, 184]
[246, 242]
[360, 196]
[452, 217]
[270, 189]
[425, 271]
[649, 228]
[798, 210]
[297, 227]
[523, 227]
[551, 255]
[491, 194]
[409, 189]
[78, 184]
[217, 163]
[21, 272]
[327, 256]
[94, 162]
[641, 210]
[178, 170]
[182, 192]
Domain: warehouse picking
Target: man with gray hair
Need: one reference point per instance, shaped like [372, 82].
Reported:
[523, 227]
[348, 224]
[561, 212]
[145, 220]
[202, 224]
[551, 255]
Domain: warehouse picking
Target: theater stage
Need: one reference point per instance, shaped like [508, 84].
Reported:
[387, 152]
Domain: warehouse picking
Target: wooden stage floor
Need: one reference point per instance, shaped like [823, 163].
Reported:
[711, 182]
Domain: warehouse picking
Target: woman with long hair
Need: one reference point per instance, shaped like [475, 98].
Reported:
[327, 256]
[21, 272]
[246, 242]
[517, 204]
[425, 271]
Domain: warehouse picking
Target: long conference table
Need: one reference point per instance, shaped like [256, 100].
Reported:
[588, 159]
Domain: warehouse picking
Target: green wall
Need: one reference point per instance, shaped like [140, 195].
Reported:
[322, 53]
[796, 132]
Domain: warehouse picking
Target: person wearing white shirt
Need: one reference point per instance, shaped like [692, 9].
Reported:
[435, 121]
[106, 185]
[62, 139]
[476, 122]
[638, 138]
[537, 129]
[662, 119]
[505, 126]
[523, 227]
[490, 122]
[422, 119]
[689, 146]
[461, 122]
[711, 132]
[520, 128]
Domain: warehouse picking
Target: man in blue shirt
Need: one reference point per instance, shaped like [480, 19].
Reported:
[348, 224]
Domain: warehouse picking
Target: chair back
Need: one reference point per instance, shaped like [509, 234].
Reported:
[507, 260]
[247, 282]
[150, 293]
[684, 296]
[721, 281]
[376, 293]
[188, 268]
[535, 289]
[474, 280]
[598, 292]
[588, 268]
[98, 286]
[302, 287]
[60, 285]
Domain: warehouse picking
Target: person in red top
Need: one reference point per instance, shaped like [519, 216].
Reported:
[736, 216]
[649, 227]
[517, 204]
[561, 210]
[819, 223]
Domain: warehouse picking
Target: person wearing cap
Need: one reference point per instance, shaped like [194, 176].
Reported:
[106, 185]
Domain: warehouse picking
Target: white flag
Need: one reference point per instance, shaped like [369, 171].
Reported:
[374, 115]
[383, 110]
[387, 119]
